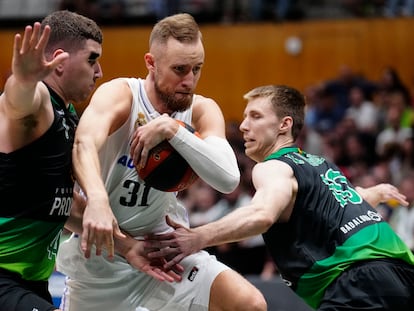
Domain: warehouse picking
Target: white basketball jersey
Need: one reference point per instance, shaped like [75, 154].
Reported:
[138, 208]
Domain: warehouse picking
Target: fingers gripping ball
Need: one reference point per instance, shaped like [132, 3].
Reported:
[166, 169]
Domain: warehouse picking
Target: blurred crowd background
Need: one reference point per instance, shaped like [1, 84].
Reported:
[223, 11]
[363, 125]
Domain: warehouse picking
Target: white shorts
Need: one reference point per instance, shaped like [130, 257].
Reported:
[133, 290]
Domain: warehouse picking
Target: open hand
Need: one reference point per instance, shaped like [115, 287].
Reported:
[175, 245]
[29, 62]
[137, 258]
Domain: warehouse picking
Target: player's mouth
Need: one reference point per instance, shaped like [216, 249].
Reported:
[248, 141]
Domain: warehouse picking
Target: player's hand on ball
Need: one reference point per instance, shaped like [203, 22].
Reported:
[146, 137]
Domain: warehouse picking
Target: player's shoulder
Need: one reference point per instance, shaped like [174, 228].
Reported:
[115, 88]
[200, 99]
[116, 82]
[205, 105]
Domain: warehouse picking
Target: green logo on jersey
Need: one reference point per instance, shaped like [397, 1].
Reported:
[340, 188]
[52, 249]
[309, 158]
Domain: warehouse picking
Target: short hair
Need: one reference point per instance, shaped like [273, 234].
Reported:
[70, 30]
[181, 27]
[285, 100]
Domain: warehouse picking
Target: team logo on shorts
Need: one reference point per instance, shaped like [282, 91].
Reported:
[192, 274]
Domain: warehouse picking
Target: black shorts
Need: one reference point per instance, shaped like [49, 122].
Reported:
[17, 294]
[386, 284]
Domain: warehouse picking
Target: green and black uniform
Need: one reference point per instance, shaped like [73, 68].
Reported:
[331, 230]
[36, 188]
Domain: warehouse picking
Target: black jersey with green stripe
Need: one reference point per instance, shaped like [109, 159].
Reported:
[36, 188]
[330, 228]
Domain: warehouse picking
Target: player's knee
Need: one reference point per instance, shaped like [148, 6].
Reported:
[248, 298]
[255, 301]
[230, 291]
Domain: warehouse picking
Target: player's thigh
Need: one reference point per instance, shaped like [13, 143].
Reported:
[231, 291]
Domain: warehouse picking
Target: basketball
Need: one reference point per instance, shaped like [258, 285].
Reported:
[166, 169]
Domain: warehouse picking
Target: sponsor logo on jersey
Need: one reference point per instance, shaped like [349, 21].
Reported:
[126, 161]
[63, 202]
[359, 220]
[192, 274]
[287, 282]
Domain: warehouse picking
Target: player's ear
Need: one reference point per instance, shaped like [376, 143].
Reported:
[60, 67]
[149, 61]
[286, 124]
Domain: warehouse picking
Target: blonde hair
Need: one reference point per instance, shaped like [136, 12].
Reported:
[181, 27]
[285, 100]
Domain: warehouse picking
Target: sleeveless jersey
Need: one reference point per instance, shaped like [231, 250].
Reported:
[330, 228]
[138, 208]
[36, 188]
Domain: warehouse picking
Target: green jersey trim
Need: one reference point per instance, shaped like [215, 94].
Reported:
[312, 285]
[282, 152]
[29, 247]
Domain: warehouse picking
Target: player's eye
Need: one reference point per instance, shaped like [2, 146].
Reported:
[196, 70]
[180, 69]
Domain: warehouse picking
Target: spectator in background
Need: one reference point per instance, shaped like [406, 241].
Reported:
[399, 118]
[402, 219]
[325, 114]
[362, 111]
[163, 8]
[363, 8]
[388, 82]
[394, 8]
[407, 153]
[360, 151]
[201, 200]
[89, 8]
[341, 86]
[102, 11]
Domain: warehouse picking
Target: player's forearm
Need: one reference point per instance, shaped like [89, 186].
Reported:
[240, 224]
[212, 159]
[87, 169]
[20, 97]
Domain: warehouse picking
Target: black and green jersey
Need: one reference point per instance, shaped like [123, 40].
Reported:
[330, 228]
[36, 188]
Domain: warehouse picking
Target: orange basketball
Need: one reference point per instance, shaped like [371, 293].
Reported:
[166, 169]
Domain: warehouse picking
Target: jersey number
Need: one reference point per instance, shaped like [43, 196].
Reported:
[131, 198]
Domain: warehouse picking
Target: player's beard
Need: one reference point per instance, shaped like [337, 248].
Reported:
[171, 102]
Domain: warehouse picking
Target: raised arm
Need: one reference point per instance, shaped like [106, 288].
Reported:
[24, 100]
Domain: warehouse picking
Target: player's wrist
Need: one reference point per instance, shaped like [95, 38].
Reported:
[171, 129]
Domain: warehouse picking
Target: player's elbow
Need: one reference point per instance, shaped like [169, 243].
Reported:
[263, 219]
[228, 183]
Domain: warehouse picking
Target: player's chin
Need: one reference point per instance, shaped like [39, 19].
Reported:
[249, 150]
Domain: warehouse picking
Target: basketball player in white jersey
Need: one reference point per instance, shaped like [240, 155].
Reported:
[125, 119]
